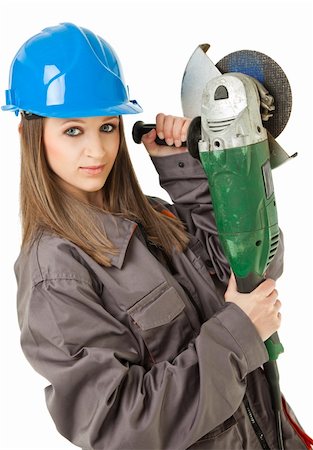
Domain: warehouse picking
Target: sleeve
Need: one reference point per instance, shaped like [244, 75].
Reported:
[186, 183]
[100, 395]
[183, 177]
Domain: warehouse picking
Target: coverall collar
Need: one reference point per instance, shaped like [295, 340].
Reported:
[119, 231]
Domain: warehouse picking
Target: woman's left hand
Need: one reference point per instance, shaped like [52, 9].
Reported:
[171, 128]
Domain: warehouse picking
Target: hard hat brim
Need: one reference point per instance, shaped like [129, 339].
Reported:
[131, 107]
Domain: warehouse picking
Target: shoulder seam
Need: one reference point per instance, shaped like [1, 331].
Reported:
[63, 277]
[37, 254]
[55, 276]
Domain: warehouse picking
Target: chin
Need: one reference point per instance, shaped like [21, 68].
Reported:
[95, 187]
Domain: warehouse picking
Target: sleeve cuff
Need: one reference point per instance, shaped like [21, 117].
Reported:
[183, 178]
[242, 330]
[178, 166]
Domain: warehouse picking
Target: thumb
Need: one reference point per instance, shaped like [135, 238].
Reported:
[231, 288]
[148, 141]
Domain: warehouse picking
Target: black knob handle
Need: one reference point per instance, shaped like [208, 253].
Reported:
[140, 128]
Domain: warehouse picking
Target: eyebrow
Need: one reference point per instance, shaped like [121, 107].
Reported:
[105, 119]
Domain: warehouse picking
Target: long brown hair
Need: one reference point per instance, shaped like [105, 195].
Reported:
[46, 206]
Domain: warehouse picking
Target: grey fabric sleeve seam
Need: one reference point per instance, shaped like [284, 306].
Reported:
[37, 254]
[61, 347]
[238, 344]
[69, 278]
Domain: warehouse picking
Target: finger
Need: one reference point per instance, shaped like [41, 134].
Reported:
[277, 305]
[273, 296]
[177, 130]
[148, 140]
[184, 131]
[232, 287]
[266, 287]
[160, 118]
[168, 129]
[278, 319]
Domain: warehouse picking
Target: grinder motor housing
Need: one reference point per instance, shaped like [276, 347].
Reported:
[234, 153]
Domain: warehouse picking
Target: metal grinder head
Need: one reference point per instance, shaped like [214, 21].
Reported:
[270, 75]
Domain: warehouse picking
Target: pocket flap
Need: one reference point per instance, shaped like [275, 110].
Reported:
[157, 308]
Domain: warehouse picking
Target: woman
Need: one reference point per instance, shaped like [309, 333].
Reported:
[121, 296]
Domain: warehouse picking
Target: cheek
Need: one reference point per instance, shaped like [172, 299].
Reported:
[61, 164]
[116, 146]
[51, 149]
[52, 153]
[55, 147]
[116, 151]
[57, 155]
[55, 159]
[112, 149]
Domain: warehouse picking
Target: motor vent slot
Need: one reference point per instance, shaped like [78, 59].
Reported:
[273, 248]
[217, 126]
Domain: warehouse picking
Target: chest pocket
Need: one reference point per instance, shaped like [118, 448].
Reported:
[160, 319]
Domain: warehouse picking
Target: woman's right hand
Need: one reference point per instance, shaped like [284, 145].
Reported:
[261, 305]
[171, 128]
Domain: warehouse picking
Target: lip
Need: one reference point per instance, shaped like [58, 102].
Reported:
[92, 170]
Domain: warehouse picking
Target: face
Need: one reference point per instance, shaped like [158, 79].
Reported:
[81, 152]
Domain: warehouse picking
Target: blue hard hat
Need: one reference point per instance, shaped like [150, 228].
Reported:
[68, 71]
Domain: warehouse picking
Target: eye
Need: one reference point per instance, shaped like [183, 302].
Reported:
[108, 127]
[73, 131]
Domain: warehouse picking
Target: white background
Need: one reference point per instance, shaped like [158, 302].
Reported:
[154, 40]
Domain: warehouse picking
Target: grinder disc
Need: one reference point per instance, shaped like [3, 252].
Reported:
[270, 75]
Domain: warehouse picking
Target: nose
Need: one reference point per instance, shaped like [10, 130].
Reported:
[94, 146]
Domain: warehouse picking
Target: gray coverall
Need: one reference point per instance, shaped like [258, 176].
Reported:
[146, 354]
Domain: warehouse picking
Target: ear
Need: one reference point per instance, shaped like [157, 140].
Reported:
[20, 126]
[194, 136]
